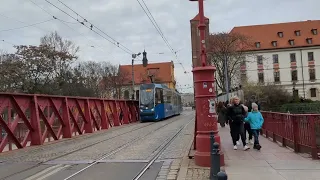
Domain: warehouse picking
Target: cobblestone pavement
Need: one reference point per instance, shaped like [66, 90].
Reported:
[86, 148]
[272, 162]
[64, 146]
[174, 153]
[147, 147]
[136, 151]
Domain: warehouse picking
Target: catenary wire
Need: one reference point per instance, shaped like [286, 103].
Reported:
[155, 24]
[11, 29]
[66, 24]
[94, 26]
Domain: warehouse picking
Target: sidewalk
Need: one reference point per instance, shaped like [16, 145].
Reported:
[273, 162]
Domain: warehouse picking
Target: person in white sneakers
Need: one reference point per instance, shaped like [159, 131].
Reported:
[236, 114]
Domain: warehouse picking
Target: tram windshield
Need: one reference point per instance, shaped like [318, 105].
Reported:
[147, 96]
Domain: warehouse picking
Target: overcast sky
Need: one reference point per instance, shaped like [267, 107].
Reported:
[126, 22]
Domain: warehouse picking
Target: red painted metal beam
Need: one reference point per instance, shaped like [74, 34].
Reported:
[34, 118]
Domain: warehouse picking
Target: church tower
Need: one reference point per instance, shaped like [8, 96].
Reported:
[195, 39]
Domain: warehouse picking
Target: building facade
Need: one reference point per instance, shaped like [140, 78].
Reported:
[162, 73]
[285, 54]
[187, 99]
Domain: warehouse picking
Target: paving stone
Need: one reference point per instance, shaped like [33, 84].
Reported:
[53, 150]
[172, 177]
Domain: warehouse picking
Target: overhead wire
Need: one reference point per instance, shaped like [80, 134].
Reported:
[92, 27]
[7, 42]
[11, 29]
[21, 21]
[155, 24]
[66, 23]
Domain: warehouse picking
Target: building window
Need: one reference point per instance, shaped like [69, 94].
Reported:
[126, 94]
[312, 74]
[137, 94]
[310, 56]
[293, 57]
[280, 34]
[259, 60]
[274, 43]
[257, 44]
[309, 40]
[313, 92]
[276, 76]
[261, 77]
[275, 58]
[291, 42]
[314, 31]
[297, 32]
[294, 75]
[295, 93]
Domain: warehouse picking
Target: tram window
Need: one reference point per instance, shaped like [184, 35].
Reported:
[159, 96]
[168, 97]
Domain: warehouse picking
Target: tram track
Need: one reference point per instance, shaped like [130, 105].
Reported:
[93, 144]
[160, 150]
[124, 146]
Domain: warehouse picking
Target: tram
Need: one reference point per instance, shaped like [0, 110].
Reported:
[158, 102]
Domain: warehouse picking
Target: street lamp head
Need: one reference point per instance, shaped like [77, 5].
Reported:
[144, 59]
[139, 54]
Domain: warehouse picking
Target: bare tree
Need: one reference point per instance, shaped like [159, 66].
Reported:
[230, 47]
[10, 72]
[114, 81]
[60, 61]
[55, 41]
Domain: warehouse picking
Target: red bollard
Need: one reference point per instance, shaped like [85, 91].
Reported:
[206, 115]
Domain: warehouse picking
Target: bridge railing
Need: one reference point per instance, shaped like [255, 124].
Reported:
[300, 132]
[28, 120]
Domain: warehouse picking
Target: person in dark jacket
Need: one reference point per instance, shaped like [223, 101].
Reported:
[222, 114]
[236, 114]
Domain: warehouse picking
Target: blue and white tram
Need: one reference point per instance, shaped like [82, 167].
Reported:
[157, 102]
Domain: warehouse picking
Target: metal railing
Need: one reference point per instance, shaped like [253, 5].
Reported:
[300, 132]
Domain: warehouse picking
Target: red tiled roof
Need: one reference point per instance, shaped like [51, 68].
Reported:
[197, 18]
[267, 33]
[161, 72]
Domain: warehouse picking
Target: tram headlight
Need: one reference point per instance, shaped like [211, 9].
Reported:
[152, 109]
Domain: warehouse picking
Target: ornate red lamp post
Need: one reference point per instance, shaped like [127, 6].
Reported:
[206, 117]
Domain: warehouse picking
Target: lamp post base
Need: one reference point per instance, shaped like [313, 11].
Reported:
[202, 155]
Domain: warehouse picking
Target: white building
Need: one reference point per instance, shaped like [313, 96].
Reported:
[187, 99]
[287, 54]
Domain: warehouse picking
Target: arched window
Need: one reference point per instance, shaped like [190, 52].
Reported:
[126, 94]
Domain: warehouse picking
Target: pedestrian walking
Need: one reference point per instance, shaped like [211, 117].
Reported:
[247, 127]
[236, 114]
[255, 119]
[222, 114]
